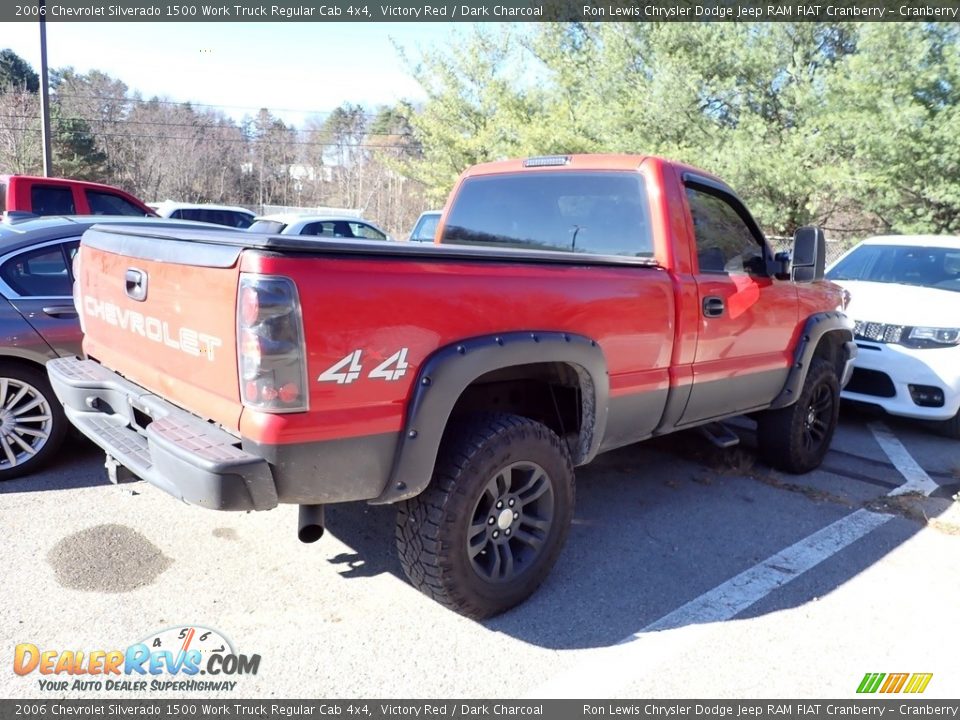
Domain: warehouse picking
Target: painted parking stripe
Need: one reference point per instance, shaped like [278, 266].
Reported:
[740, 592]
[917, 480]
[608, 669]
[611, 668]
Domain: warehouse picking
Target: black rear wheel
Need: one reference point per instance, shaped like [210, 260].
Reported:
[487, 531]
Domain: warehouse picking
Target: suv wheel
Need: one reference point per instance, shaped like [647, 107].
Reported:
[949, 428]
[488, 529]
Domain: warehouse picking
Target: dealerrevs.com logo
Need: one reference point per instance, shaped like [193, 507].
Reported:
[182, 658]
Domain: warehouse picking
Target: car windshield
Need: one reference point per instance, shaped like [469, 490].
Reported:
[935, 267]
[272, 227]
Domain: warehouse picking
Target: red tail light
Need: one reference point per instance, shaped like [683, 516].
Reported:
[270, 353]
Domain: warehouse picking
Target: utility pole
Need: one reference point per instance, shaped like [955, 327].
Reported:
[44, 93]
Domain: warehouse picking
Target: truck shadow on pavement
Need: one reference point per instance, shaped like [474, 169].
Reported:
[657, 525]
[78, 464]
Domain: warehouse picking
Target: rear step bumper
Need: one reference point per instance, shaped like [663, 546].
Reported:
[160, 443]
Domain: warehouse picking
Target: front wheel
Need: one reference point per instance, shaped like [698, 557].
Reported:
[487, 531]
[949, 428]
[795, 439]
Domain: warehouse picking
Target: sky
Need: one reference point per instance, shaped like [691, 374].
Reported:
[293, 69]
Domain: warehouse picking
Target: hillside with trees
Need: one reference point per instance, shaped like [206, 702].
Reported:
[851, 126]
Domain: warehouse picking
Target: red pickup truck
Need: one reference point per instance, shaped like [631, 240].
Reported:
[61, 196]
[572, 305]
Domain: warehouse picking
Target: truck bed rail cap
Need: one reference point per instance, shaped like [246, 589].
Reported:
[121, 238]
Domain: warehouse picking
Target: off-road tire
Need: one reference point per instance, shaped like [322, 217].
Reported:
[796, 438]
[439, 532]
[25, 393]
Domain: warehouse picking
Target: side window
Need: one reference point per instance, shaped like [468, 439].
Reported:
[39, 273]
[102, 203]
[725, 242]
[342, 229]
[365, 231]
[51, 200]
[177, 215]
[240, 220]
[426, 228]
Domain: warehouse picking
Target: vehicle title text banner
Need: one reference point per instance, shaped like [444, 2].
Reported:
[475, 11]
[189, 709]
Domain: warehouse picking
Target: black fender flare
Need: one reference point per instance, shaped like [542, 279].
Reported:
[816, 327]
[446, 373]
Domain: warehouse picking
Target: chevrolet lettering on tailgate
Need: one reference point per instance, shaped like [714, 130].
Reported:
[192, 342]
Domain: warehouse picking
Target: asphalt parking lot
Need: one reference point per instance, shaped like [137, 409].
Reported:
[689, 572]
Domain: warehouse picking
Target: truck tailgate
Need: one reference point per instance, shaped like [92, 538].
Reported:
[162, 313]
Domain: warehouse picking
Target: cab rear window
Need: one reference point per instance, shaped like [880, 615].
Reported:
[597, 213]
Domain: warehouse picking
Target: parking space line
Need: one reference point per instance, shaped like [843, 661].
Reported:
[741, 591]
[917, 480]
[610, 668]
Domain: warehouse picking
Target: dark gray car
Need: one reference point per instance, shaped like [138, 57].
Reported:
[38, 322]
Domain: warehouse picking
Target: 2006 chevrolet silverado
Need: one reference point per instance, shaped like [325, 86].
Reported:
[572, 305]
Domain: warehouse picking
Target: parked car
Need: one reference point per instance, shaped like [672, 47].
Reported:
[905, 301]
[61, 196]
[38, 321]
[227, 215]
[583, 303]
[318, 225]
[426, 226]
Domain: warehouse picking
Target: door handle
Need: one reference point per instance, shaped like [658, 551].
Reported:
[712, 306]
[61, 310]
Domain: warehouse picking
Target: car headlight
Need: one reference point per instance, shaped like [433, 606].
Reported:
[931, 337]
[918, 337]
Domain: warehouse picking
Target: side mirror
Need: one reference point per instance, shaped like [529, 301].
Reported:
[809, 254]
[779, 267]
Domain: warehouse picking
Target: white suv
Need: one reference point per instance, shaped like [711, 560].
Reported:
[905, 301]
[229, 215]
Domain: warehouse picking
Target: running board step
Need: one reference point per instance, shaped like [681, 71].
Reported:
[720, 435]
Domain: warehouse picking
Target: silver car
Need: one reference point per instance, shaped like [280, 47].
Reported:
[322, 226]
[38, 322]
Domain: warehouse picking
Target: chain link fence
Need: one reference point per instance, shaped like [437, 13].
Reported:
[835, 248]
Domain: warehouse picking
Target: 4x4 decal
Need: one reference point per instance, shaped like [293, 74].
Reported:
[349, 368]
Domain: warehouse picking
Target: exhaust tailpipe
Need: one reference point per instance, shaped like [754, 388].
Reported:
[311, 527]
